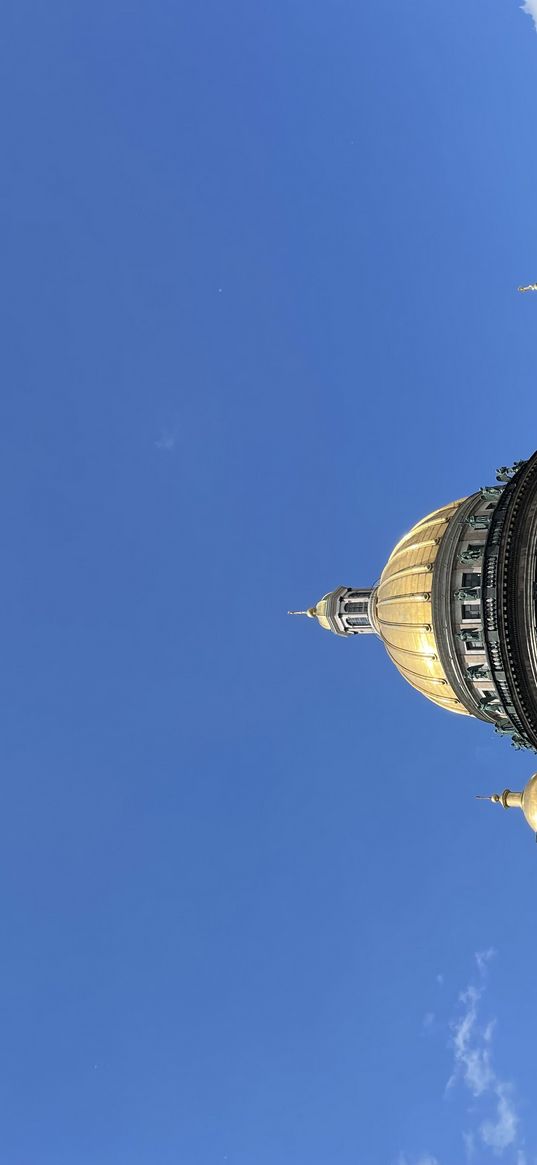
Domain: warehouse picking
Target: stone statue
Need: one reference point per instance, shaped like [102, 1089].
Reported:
[490, 706]
[466, 594]
[506, 472]
[477, 671]
[491, 493]
[469, 636]
[473, 554]
[505, 730]
[518, 742]
[479, 521]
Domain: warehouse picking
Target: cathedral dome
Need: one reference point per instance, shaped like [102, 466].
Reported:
[404, 608]
[455, 607]
[451, 609]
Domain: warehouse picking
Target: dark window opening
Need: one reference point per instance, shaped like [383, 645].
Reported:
[471, 579]
[470, 610]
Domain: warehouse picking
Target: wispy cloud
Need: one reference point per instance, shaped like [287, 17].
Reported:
[166, 441]
[502, 1130]
[468, 1140]
[429, 1021]
[483, 959]
[492, 1119]
[472, 1050]
[530, 6]
[471, 1043]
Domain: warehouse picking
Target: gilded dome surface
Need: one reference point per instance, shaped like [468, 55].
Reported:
[404, 610]
[319, 612]
[529, 802]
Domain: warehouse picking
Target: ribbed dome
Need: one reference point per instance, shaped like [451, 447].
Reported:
[404, 611]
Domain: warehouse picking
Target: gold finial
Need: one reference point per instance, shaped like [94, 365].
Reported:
[311, 612]
[297, 612]
[495, 797]
[530, 287]
[509, 799]
[527, 801]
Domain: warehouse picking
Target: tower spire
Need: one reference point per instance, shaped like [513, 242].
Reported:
[508, 799]
[527, 801]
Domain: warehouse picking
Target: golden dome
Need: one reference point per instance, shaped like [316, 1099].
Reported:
[319, 613]
[404, 612]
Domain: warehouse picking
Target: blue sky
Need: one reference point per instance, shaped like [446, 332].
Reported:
[259, 271]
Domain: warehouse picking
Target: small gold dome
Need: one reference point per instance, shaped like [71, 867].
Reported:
[318, 612]
[404, 611]
[529, 802]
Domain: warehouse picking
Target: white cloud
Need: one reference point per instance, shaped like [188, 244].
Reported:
[428, 1021]
[469, 1145]
[492, 1117]
[489, 1031]
[483, 958]
[530, 7]
[501, 1132]
[166, 441]
[472, 1055]
[471, 1042]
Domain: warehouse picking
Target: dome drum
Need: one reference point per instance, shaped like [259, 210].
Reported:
[458, 612]
[510, 580]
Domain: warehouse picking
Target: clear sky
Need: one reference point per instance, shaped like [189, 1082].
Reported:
[259, 316]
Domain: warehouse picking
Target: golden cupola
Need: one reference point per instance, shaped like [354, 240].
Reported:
[345, 611]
